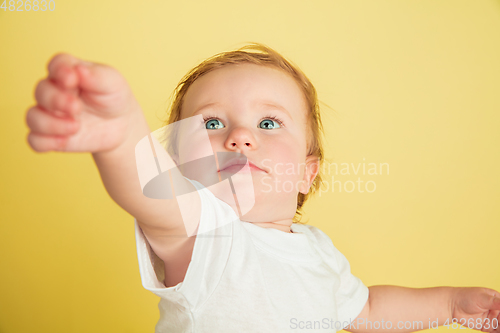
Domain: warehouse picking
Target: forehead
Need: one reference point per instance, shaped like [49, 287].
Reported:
[243, 86]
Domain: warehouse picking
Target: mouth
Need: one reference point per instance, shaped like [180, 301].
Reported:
[234, 168]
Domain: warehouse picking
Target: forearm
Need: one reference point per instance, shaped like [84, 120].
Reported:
[408, 309]
[118, 170]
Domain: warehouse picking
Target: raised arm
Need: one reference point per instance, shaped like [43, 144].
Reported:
[119, 174]
[89, 107]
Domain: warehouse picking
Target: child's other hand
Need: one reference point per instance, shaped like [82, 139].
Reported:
[81, 107]
[477, 308]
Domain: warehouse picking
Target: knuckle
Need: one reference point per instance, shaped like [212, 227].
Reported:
[42, 123]
[67, 101]
[56, 58]
[56, 127]
[40, 82]
[42, 89]
[72, 105]
[59, 64]
[60, 143]
[39, 89]
[30, 121]
[57, 100]
[32, 142]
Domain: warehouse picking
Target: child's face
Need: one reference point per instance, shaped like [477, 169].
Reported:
[243, 94]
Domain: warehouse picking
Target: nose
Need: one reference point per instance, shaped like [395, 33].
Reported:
[241, 139]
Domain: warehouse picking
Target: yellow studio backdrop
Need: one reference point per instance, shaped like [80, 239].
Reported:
[412, 140]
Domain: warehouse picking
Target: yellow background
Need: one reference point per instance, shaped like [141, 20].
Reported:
[414, 84]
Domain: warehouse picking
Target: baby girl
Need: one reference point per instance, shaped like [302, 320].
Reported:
[217, 212]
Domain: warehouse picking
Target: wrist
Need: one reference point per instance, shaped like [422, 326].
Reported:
[135, 128]
[453, 291]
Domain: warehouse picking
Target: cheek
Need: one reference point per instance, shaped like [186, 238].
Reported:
[284, 160]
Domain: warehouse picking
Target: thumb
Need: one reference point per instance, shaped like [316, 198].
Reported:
[98, 78]
[495, 304]
[489, 302]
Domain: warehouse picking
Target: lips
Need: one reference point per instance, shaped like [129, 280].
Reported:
[239, 163]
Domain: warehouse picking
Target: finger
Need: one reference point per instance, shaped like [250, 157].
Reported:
[487, 325]
[493, 302]
[489, 300]
[52, 99]
[496, 304]
[62, 72]
[44, 143]
[98, 78]
[42, 122]
[496, 321]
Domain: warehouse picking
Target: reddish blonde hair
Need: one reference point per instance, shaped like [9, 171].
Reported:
[264, 56]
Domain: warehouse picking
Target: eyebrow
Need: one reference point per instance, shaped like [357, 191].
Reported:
[258, 102]
[273, 105]
[205, 106]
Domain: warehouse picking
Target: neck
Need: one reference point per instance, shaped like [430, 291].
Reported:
[283, 225]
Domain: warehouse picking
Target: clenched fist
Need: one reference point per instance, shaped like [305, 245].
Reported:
[81, 107]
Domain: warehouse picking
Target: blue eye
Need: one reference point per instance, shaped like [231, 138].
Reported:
[212, 123]
[271, 122]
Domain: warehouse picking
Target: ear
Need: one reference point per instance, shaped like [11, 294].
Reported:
[312, 169]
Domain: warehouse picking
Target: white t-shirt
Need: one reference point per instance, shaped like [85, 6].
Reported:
[245, 278]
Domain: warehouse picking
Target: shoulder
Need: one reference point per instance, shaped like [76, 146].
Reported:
[324, 243]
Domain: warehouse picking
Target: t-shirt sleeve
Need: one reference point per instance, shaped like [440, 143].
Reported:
[351, 295]
[210, 253]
